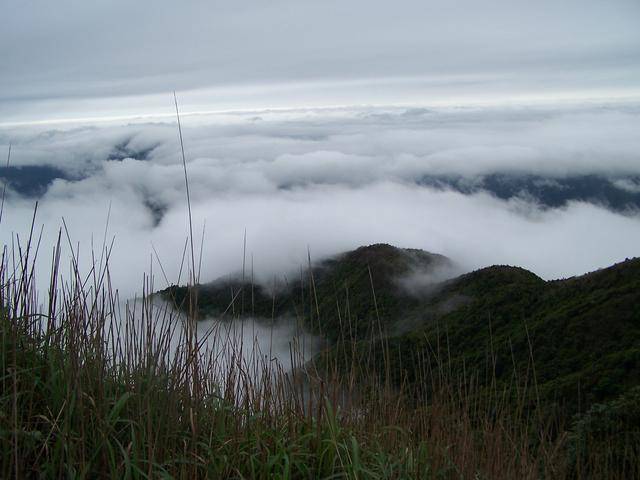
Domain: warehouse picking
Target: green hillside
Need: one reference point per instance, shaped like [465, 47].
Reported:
[334, 297]
[578, 340]
[574, 341]
[492, 374]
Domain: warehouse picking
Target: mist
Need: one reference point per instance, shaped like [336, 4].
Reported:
[252, 345]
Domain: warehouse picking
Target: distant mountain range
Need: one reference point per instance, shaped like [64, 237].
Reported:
[34, 180]
[31, 180]
[579, 338]
[619, 194]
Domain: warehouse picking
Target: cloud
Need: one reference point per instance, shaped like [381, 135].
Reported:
[331, 180]
[253, 345]
[627, 184]
[422, 282]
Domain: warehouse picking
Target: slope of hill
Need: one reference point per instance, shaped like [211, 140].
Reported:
[334, 297]
[577, 340]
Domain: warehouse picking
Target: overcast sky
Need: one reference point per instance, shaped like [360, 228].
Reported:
[74, 58]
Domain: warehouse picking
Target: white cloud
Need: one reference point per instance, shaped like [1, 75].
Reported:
[350, 178]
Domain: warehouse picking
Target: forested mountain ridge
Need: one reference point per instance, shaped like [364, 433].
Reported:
[579, 337]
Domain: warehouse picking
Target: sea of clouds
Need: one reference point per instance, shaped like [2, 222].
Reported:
[328, 180]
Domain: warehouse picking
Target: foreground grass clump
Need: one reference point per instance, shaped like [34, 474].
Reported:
[85, 395]
[92, 391]
[68, 412]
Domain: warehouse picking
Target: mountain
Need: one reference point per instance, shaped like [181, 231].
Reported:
[619, 194]
[31, 180]
[576, 339]
[334, 297]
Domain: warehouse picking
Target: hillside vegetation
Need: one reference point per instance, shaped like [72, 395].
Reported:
[419, 377]
[578, 338]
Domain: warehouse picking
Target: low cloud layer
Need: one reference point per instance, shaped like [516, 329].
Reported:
[329, 180]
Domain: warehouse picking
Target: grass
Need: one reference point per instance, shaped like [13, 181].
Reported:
[88, 392]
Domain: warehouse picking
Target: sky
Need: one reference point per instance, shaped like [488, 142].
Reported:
[75, 59]
[314, 127]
